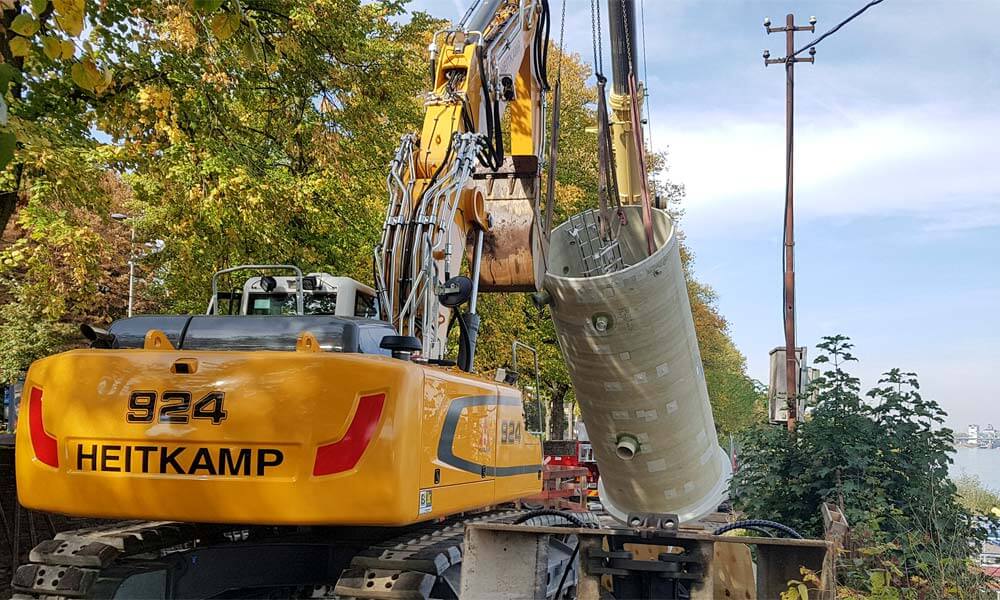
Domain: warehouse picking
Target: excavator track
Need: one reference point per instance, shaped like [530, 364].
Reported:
[73, 563]
[421, 562]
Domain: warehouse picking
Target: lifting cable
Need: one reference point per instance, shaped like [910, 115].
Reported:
[607, 184]
[645, 73]
[550, 181]
[640, 142]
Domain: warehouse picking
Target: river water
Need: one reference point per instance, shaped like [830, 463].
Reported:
[980, 462]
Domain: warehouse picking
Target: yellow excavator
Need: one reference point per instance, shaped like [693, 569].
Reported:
[309, 415]
[313, 437]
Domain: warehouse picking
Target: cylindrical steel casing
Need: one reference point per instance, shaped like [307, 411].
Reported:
[641, 378]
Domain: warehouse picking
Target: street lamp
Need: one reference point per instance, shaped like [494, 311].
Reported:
[122, 217]
[150, 248]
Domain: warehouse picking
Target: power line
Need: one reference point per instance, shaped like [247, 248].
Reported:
[815, 42]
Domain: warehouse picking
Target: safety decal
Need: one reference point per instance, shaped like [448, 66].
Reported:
[426, 503]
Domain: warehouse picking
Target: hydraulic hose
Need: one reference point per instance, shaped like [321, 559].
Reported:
[757, 525]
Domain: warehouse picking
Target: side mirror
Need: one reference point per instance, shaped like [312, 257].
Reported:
[455, 292]
[401, 346]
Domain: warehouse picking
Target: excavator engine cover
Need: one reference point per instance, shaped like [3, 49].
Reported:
[240, 424]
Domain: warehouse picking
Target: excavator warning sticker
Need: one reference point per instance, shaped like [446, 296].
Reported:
[425, 502]
[178, 460]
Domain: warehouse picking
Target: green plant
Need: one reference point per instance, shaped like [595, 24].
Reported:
[882, 457]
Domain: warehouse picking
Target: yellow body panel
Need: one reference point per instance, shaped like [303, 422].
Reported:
[277, 404]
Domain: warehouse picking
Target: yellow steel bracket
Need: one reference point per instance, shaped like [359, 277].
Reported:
[156, 340]
[307, 342]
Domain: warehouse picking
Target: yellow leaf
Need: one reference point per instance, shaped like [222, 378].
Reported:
[104, 83]
[224, 25]
[69, 15]
[24, 25]
[94, 74]
[20, 46]
[52, 47]
[68, 49]
[79, 75]
[803, 591]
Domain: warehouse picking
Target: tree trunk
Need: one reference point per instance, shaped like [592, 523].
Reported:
[8, 198]
[557, 411]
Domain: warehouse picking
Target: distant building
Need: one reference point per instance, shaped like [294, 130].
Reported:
[979, 437]
[989, 437]
[973, 439]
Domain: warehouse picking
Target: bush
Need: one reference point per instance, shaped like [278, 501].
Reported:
[884, 460]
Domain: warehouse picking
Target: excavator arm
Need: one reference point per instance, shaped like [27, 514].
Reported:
[461, 188]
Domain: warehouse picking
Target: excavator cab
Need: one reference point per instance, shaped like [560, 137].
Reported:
[296, 294]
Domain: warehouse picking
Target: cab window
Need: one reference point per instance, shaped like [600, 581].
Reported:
[320, 303]
[364, 306]
[280, 303]
[274, 303]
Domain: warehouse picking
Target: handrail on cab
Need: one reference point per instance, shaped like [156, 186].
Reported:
[299, 301]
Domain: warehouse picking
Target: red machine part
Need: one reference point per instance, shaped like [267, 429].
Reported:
[573, 453]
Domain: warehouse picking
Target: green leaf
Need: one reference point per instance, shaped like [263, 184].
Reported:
[8, 73]
[39, 6]
[20, 46]
[52, 47]
[207, 6]
[225, 24]
[69, 15]
[7, 144]
[25, 25]
[82, 76]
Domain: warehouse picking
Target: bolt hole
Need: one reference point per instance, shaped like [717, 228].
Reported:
[395, 576]
[388, 584]
[40, 581]
[370, 584]
[371, 575]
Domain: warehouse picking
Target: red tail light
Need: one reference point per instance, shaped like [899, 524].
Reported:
[44, 445]
[343, 455]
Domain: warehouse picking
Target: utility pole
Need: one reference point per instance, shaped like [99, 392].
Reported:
[789, 60]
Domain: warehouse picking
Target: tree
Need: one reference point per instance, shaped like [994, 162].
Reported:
[977, 497]
[884, 462]
[237, 131]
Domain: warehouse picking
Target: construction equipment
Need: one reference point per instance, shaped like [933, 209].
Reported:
[289, 404]
[326, 440]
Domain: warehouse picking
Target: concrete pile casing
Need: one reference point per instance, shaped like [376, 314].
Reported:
[629, 341]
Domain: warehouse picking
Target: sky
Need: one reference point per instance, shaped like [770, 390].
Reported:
[897, 176]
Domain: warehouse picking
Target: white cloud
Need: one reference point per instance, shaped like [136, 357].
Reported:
[919, 162]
